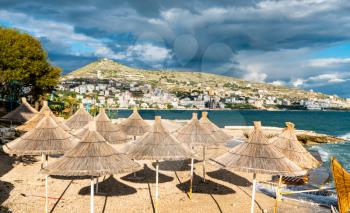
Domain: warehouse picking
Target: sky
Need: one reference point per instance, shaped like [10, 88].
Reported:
[299, 43]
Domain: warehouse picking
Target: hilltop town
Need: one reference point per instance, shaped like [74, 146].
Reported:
[110, 84]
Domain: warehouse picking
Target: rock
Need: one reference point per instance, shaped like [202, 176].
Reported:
[309, 139]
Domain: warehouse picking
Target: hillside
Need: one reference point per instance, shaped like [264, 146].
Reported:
[172, 81]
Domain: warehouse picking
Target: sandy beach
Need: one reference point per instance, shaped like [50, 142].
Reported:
[23, 189]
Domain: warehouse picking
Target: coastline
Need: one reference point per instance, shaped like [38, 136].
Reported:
[306, 137]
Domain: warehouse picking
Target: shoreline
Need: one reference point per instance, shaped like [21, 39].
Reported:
[226, 109]
[306, 137]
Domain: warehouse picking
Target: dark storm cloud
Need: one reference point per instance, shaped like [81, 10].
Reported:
[233, 37]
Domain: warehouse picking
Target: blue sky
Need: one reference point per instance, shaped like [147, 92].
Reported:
[300, 43]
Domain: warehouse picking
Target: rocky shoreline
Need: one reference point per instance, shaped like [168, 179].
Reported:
[304, 136]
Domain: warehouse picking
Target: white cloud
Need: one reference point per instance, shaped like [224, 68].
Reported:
[298, 82]
[327, 62]
[60, 34]
[255, 76]
[148, 52]
[278, 83]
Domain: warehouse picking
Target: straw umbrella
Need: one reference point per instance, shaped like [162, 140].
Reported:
[215, 130]
[93, 157]
[158, 144]
[134, 125]
[31, 124]
[111, 132]
[287, 143]
[79, 119]
[257, 155]
[21, 114]
[47, 138]
[194, 134]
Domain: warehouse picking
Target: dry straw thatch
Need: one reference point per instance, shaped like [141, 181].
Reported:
[193, 133]
[288, 144]
[46, 138]
[79, 119]
[342, 185]
[21, 114]
[158, 144]
[134, 125]
[257, 155]
[92, 156]
[112, 133]
[171, 126]
[33, 122]
[215, 130]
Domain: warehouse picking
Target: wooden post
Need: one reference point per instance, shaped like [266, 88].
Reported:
[46, 160]
[191, 180]
[253, 194]
[92, 195]
[42, 160]
[46, 194]
[157, 174]
[278, 194]
[204, 148]
[96, 185]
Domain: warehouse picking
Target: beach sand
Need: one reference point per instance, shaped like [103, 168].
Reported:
[23, 189]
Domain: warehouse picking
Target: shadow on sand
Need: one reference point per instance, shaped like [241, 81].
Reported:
[110, 187]
[6, 164]
[147, 175]
[230, 177]
[178, 165]
[207, 187]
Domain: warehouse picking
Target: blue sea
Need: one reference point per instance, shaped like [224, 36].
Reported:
[336, 123]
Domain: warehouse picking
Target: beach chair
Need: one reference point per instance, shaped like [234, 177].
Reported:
[342, 185]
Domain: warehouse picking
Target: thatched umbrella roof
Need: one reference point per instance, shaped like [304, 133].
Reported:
[79, 119]
[134, 125]
[171, 126]
[288, 144]
[158, 144]
[46, 138]
[193, 133]
[111, 132]
[31, 124]
[215, 130]
[21, 114]
[92, 156]
[257, 155]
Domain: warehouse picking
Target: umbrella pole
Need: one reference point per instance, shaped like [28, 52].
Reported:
[157, 174]
[42, 160]
[253, 194]
[204, 148]
[277, 194]
[96, 185]
[46, 194]
[191, 181]
[92, 195]
[133, 159]
[46, 160]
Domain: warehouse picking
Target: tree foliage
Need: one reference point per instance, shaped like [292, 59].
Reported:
[24, 66]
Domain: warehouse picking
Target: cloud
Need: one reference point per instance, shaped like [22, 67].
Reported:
[260, 40]
[148, 53]
[328, 62]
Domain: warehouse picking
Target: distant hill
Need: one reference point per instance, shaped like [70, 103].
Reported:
[172, 81]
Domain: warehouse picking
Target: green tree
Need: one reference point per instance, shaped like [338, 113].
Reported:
[24, 64]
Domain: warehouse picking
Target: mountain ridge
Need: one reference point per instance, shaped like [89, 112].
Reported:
[174, 80]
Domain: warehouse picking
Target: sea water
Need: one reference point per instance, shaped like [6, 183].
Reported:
[336, 123]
